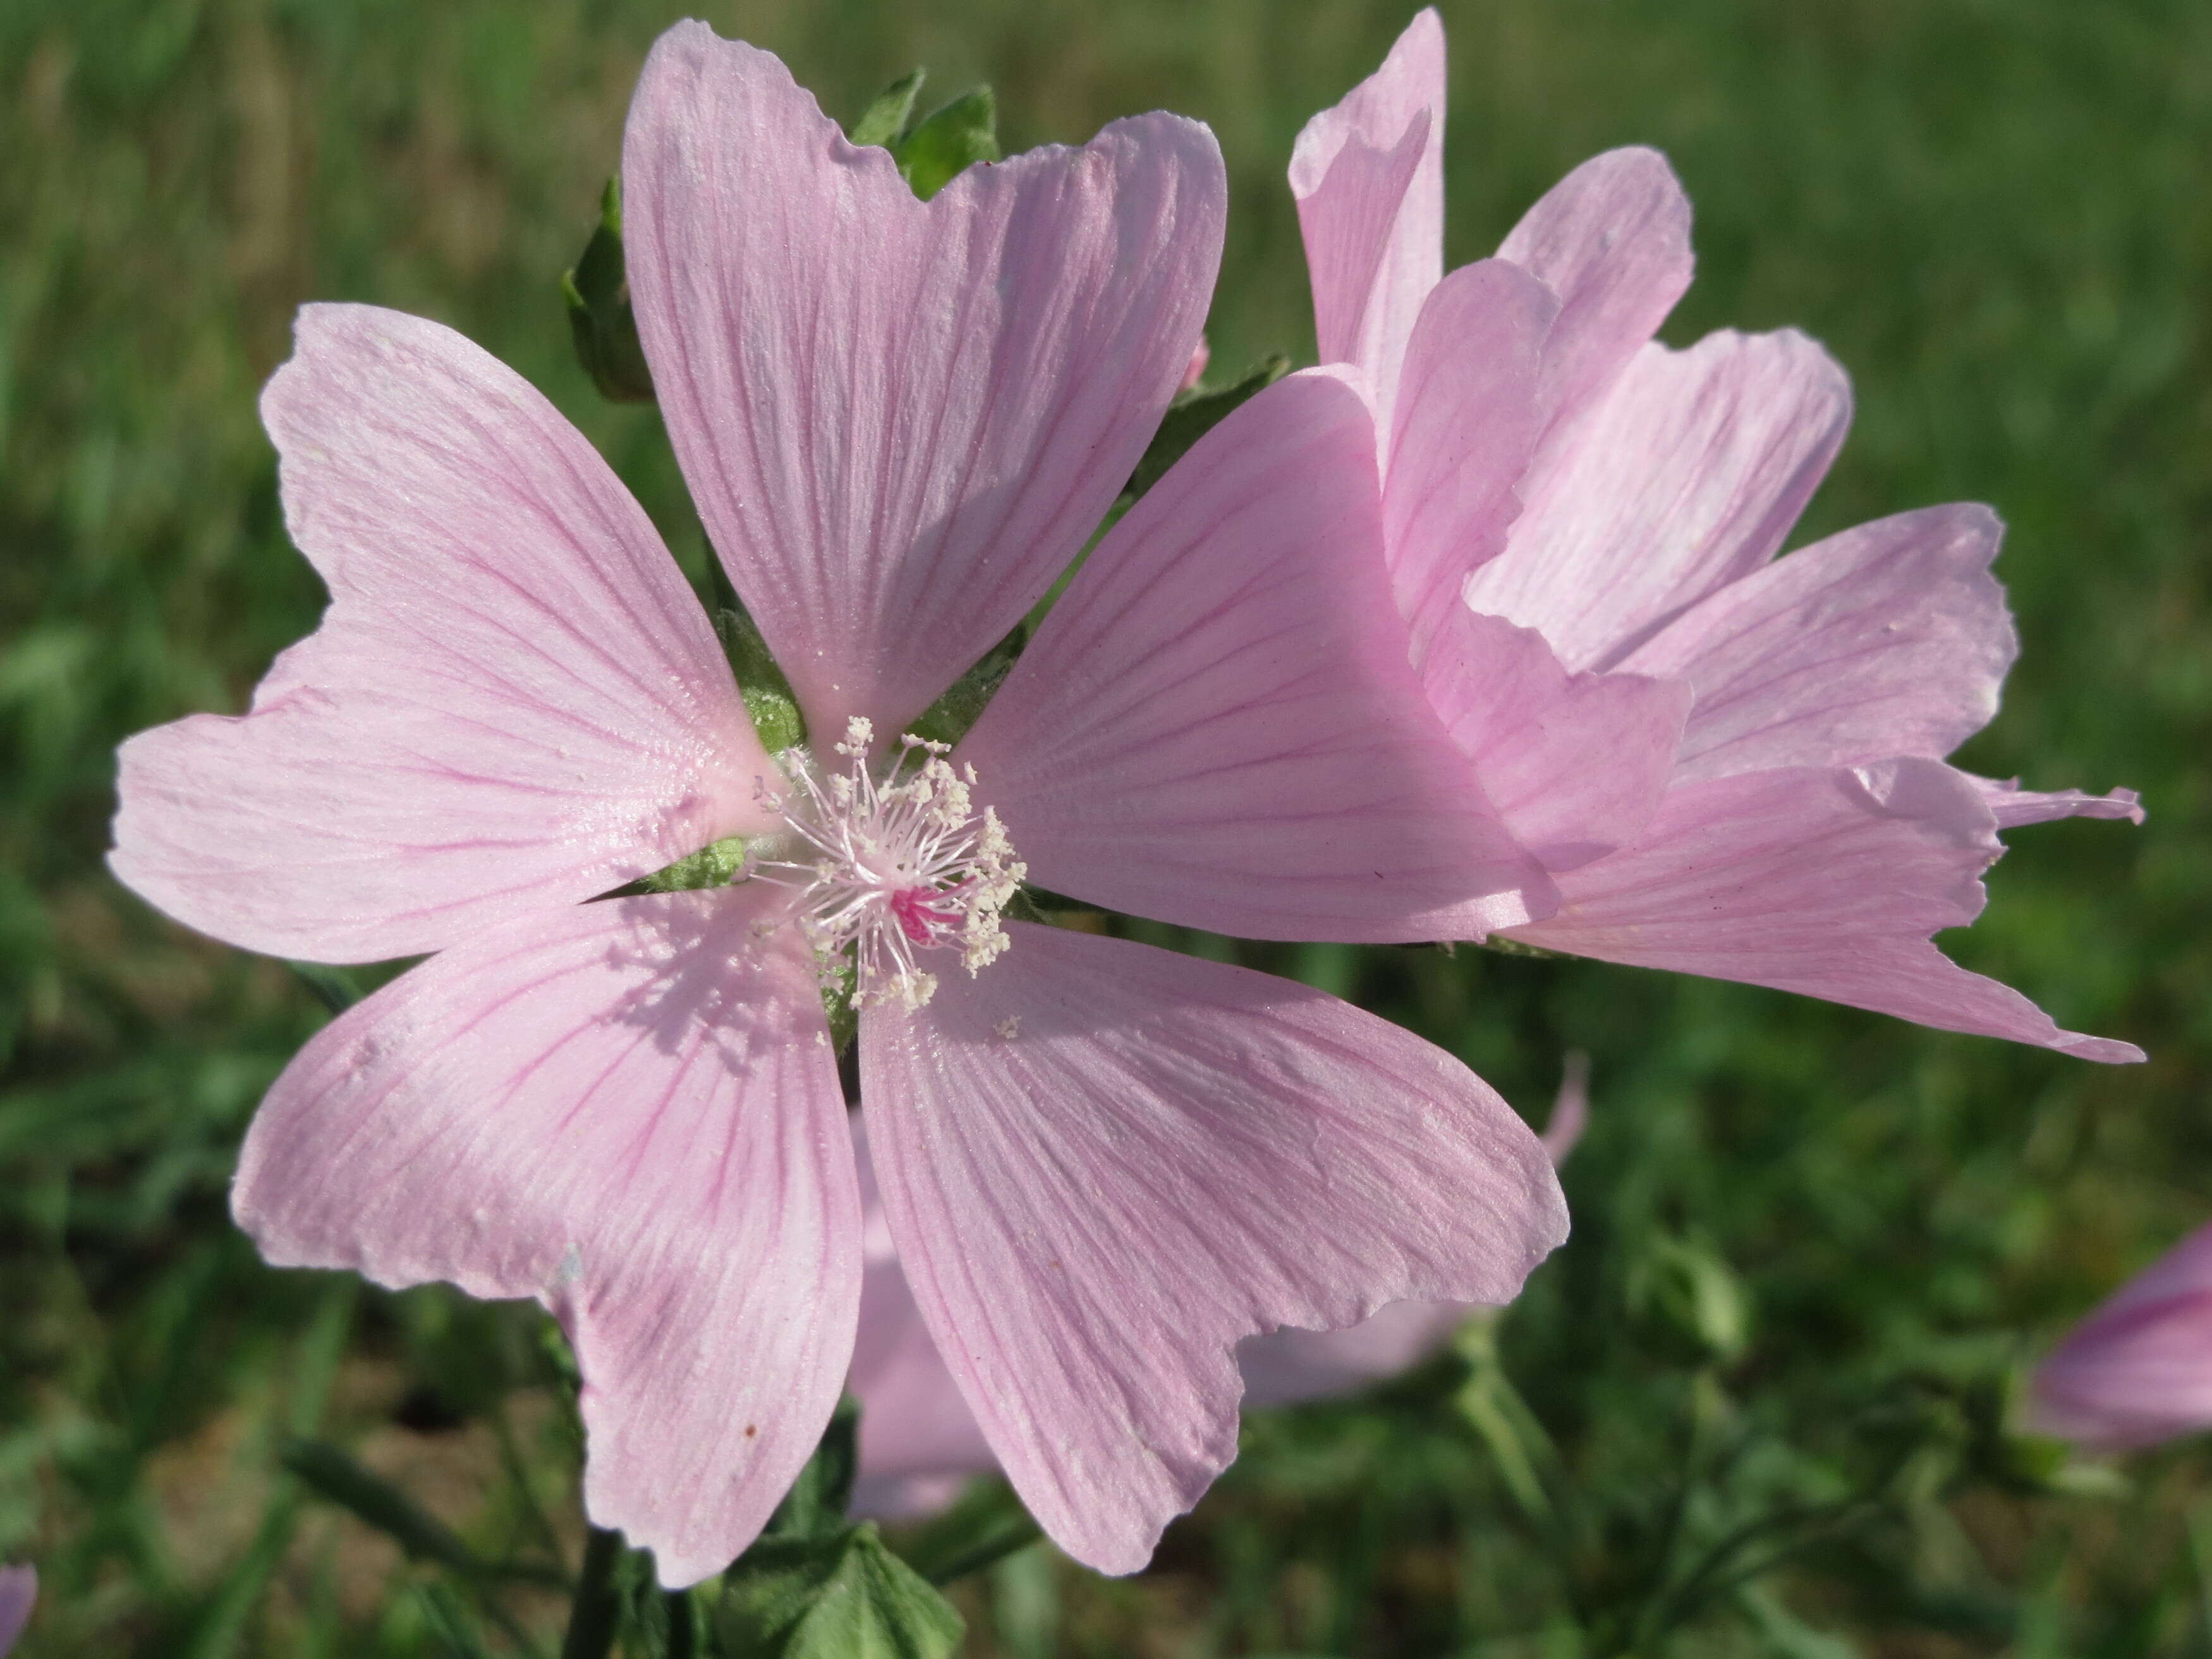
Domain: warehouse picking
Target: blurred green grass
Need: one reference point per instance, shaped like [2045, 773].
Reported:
[1995, 215]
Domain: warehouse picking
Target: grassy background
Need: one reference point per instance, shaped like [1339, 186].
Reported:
[1995, 215]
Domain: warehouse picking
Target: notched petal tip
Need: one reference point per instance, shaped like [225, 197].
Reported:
[1173, 1156]
[1378, 113]
[887, 408]
[514, 700]
[1830, 884]
[630, 1112]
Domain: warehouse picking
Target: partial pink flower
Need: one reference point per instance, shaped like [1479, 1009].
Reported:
[1731, 764]
[1194, 370]
[920, 1443]
[1104, 1165]
[2139, 1369]
[19, 1591]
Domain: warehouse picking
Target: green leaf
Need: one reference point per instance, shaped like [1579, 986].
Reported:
[965, 132]
[449, 1620]
[329, 1472]
[883, 122]
[597, 291]
[767, 694]
[1683, 1292]
[1787, 1636]
[1191, 416]
[815, 1506]
[371, 1497]
[1525, 1459]
[337, 989]
[987, 1525]
[839, 1596]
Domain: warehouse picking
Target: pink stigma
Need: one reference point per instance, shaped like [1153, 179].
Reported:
[921, 915]
[900, 863]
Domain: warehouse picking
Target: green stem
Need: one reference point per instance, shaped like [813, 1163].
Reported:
[683, 1635]
[593, 1615]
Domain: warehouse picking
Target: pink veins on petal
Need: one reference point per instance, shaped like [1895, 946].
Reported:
[2139, 1369]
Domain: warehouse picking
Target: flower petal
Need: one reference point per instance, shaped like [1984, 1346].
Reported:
[1889, 639]
[1685, 477]
[2139, 1369]
[629, 1111]
[1217, 725]
[2015, 806]
[1287, 1366]
[901, 419]
[1828, 883]
[1465, 427]
[915, 1429]
[513, 702]
[1368, 177]
[1576, 764]
[1104, 1165]
[19, 1593]
[1612, 241]
[920, 1443]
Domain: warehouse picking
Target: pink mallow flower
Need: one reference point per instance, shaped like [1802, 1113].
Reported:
[1730, 765]
[1103, 1164]
[19, 1593]
[919, 1444]
[2138, 1369]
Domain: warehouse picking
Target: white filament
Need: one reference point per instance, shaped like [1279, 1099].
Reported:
[903, 864]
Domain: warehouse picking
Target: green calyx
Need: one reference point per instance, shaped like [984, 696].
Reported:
[710, 867]
[813, 1585]
[767, 694]
[934, 151]
[604, 328]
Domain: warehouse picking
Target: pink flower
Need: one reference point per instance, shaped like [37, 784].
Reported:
[19, 1592]
[2139, 1369]
[1730, 765]
[1103, 1164]
[919, 1444]
[1194, 370]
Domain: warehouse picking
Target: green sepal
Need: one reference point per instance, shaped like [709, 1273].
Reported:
[714, 866]
[1193, 415]
[950, 141]
[767, 694]
[815, 1506]
[2052, 1467]
[883, 122]
[839, 1596]
[987, 1525]
[947, 720]
[605, 327]
[2030, 1462]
